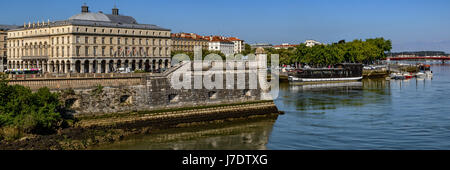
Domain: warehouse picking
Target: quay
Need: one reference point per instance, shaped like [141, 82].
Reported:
[94, 131]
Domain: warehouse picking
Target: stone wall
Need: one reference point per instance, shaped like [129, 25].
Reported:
[88, 94]
[153, 93]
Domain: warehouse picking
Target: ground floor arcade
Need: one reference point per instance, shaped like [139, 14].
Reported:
[91, 65]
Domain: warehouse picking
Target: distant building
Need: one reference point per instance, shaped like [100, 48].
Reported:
[262, 45]
[285, 46]
[238, 45]
[312, 43]
[4, 46]
[187, 41]
[222, 44]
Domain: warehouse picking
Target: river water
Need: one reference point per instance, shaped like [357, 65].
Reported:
[372, 114]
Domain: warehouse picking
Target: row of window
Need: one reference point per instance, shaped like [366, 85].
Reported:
[96, 40]
[119, 31]
[124, 52]
[87, 30]
[119, 41]
[188, 43]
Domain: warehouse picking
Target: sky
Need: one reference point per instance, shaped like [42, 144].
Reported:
[412, 25]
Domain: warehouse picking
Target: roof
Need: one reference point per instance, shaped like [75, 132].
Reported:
[102, 20]
[234, 39]
[102, 24]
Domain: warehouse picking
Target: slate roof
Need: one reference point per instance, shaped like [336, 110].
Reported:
[102, 20]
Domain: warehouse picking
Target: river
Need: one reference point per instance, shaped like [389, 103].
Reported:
[372, 114]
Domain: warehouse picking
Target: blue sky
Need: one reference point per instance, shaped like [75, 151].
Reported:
[410, 24]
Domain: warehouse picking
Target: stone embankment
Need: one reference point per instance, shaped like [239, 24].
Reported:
[98, 130]
[179, 117]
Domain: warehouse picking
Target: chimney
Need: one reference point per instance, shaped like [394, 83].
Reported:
[115, 11]
[84, 9]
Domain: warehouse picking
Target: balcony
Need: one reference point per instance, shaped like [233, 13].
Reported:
[34, 57]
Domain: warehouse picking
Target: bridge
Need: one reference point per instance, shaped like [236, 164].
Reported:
[420, 58]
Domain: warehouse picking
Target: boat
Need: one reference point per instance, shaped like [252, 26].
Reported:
[408, 75]
[397, 76]
[421, 75]
[339, 73]
[426, 69]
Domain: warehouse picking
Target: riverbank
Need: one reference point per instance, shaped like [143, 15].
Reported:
[97, 130]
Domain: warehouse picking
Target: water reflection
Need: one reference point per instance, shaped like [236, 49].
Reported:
[313, 97]
[236, 135]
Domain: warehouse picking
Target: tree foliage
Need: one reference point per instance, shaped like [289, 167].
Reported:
[35, 113]
[357, 51]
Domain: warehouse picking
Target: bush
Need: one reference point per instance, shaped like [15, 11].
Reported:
[35, 113]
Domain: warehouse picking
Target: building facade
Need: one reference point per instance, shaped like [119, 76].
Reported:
[312, 43]
[187, 41]
[239, 45]
[89, 43]
[4, 46]
[221, 44]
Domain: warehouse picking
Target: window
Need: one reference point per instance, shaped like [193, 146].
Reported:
[103, 40]
[110, 40]
[86, 40]
[86, 51]
[126, 41]
[95, 51]
[78, 39]
[62, 51]
[77, 51]
[118, 40]
[95, 40]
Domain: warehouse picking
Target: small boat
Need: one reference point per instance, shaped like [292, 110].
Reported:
[397, 76]
[408, 75]
[426, 69]
[421, 75]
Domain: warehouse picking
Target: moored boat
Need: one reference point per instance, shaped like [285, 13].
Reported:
[339, 73]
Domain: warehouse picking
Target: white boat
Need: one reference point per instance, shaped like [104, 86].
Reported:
[426, 69]
[421, 75]
[340, 72]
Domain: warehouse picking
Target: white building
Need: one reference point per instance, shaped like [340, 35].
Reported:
[226, 47]
[238, 45]
[311, 43]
